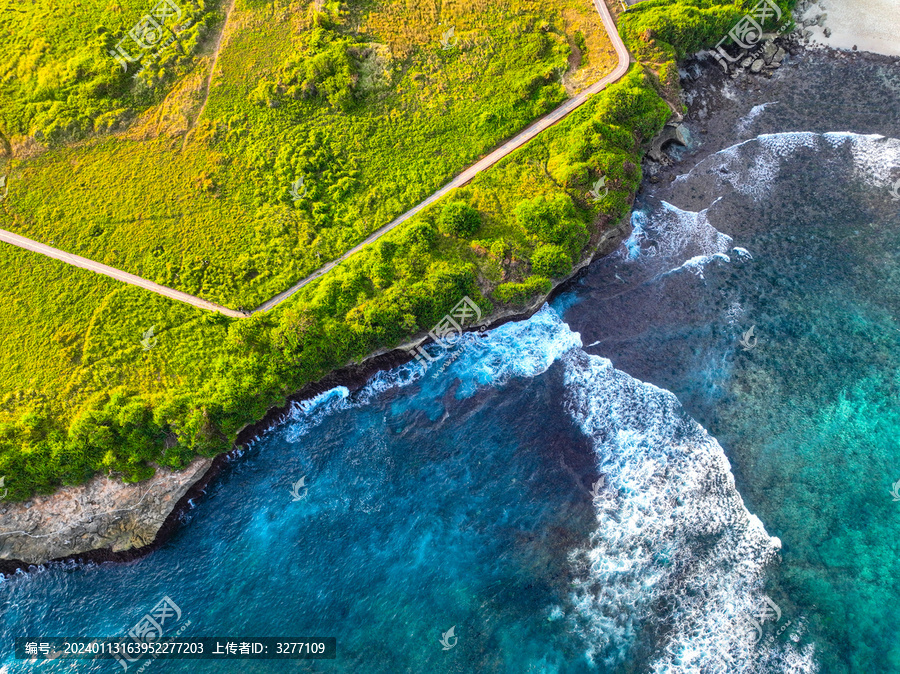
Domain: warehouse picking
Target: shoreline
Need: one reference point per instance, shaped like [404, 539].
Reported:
[356, 375]
[353, 376]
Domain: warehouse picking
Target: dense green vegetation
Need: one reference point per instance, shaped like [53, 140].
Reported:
[459, 219]
[360, 101]
[666, 30]
[59, 81]
[115, 406]
[82, 394]
[551, 260]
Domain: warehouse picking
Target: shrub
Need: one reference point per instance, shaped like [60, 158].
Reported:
[551, 261]
[459, 219]
[420, 233]
[500, 248]
[330, 72]
[553, 220]
[264, 93]
[519, 293]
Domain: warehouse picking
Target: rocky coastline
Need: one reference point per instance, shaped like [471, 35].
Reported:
[103, 516]
[105, 520]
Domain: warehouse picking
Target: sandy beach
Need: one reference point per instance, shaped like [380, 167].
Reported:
[870, 25]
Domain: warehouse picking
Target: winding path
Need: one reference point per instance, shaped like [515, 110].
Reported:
[482, 164]
[212, 69]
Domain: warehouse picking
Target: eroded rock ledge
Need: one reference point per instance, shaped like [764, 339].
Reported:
[102, 514]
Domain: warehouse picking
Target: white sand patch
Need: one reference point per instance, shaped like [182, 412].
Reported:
[871, 25]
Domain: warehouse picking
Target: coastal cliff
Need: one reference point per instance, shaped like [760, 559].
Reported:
[100, 515]
[108, 520]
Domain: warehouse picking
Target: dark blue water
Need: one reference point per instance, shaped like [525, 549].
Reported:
[543, 504]
[426, 509]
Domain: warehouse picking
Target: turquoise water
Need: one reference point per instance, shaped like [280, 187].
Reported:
[423, 512]
[559, 514]
[809, 416]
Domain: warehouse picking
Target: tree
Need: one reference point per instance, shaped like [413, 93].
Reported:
[459, 219]
[553, 220]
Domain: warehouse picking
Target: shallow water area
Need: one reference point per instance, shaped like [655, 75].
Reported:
[768, 304]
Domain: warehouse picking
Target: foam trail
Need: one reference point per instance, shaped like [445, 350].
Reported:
[753, 167]
[679, 235]
[675, 553]
[672, 531]
[747, 120]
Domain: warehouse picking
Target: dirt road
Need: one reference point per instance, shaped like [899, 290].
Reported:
[482, 164]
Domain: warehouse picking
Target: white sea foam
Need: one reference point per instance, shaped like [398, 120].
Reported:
[521, 349]
[306, 414]
[337, 393]
[671, 531]
[876, 158]
[754, 176]
[753, 166]
[744, 122]
[638, 233]
[399, 377]
[679, 235]
[697, 263]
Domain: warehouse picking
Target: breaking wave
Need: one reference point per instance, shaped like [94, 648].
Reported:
[672, 531]
[753, 167]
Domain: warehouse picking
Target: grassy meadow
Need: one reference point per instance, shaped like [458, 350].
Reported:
[361, 101]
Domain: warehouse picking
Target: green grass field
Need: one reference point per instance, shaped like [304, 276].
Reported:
[373, 118]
